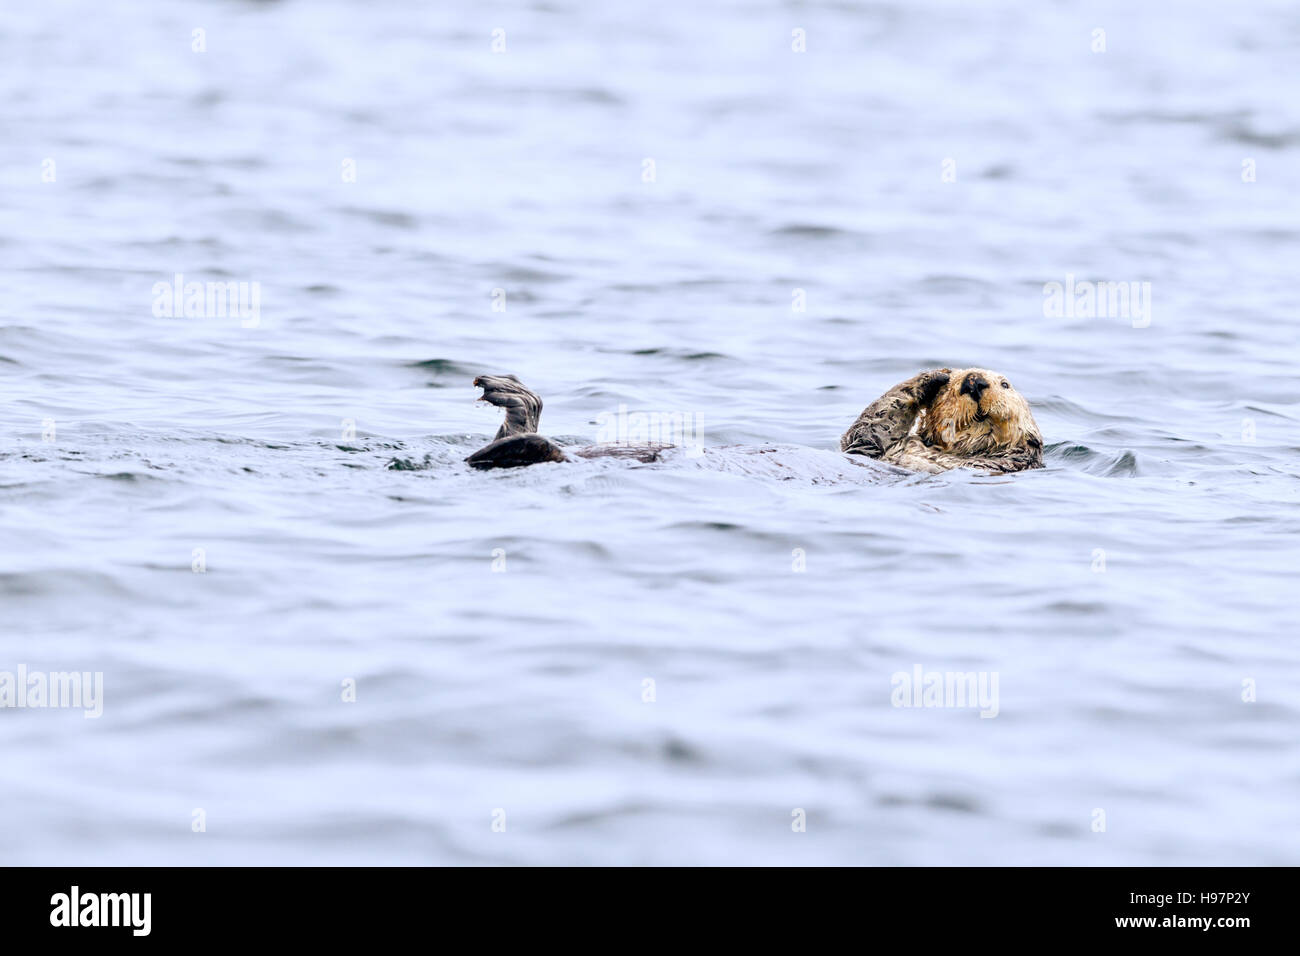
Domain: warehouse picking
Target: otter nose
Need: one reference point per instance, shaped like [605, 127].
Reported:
[974, 386]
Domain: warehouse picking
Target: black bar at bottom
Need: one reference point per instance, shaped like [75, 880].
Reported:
[372, 905]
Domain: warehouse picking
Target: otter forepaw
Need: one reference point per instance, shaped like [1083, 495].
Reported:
[929, 384]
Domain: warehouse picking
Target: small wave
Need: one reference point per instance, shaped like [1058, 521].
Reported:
[392, 218]
[953, 285]
[1241, 133]
[461, 373]
[407, 464]
[812, 231]
[1124, 464]
[682, 354]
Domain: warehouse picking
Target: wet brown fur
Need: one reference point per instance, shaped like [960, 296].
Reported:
[946, 418]
[517, 442]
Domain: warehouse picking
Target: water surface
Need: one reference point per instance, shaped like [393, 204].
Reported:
[1122, 595]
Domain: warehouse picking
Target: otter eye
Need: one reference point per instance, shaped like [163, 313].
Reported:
[1006, 384]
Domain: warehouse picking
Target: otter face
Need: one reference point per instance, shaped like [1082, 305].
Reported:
[978, 412]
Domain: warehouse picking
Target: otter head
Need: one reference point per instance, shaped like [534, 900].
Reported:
[977, 413]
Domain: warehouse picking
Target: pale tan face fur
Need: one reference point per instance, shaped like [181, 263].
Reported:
[977, 412]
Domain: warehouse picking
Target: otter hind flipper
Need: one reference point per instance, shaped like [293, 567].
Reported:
[523, 406]
[516, 442]
[515, 451]
[888, 420]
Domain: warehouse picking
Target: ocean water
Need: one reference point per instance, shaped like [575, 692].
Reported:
[241, 520]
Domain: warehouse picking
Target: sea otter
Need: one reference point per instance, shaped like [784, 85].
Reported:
[941, 419]
[937, 420]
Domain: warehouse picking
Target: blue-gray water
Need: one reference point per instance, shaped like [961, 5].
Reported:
[1127, 597]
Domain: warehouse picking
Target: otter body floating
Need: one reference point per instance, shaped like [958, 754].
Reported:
[937, 420]
[517, 443]
[942, 419]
